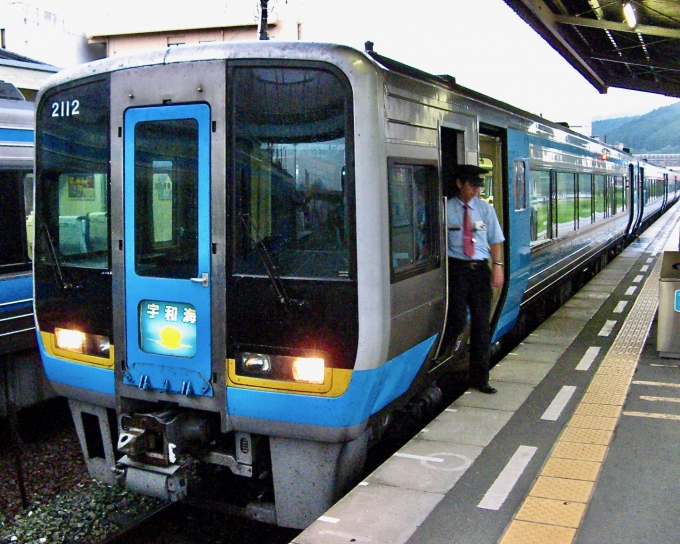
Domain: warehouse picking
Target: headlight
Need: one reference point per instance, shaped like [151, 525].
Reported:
[308, 370]
[80, 342]
[281, 367]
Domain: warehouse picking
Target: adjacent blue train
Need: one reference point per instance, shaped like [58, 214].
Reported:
[22, 379]
[244, 261]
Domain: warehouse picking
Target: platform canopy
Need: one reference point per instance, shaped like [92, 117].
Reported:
[606, 47]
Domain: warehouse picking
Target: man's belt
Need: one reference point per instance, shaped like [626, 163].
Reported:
[472, 264]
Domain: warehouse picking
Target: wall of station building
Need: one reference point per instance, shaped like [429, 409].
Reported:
[665, 160]
[127, 44]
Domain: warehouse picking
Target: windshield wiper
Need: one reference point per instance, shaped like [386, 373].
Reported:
[58, 273]
[269, 265]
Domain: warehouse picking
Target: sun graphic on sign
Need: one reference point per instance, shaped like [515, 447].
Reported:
[171, 338]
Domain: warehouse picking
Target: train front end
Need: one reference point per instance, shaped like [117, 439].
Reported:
[196, 271]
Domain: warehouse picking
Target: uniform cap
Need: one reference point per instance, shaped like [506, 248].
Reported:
[470, 172]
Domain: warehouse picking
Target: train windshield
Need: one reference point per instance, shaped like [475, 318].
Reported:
[73, 169]
[290, 172]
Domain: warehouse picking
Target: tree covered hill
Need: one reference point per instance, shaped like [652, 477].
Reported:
[655, 132]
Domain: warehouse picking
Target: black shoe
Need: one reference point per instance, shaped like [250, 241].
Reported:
[487, 389]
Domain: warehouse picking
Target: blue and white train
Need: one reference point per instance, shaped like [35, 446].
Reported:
[22, 380]
[240, 265]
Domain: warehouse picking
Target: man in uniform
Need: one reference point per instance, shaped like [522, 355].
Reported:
[474, 237]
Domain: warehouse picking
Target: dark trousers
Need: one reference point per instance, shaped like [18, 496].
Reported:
[470, 289]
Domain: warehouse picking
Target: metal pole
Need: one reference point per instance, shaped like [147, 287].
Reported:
[15, 439]
[264, 33]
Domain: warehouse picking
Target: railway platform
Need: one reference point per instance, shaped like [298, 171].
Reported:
[580, 444]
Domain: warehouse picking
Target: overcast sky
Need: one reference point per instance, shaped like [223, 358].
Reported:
[482, 43]
[486, 47]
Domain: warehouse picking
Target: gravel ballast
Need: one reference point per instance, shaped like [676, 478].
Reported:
[66, 505]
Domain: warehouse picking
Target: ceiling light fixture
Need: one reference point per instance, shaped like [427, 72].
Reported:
[629, 14]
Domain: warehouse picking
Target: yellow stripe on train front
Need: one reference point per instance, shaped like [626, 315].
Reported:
[336, 382]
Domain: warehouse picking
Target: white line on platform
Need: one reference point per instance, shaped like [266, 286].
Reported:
[608, 328]
[452, 409]
[663, 366]
[559, 403]
[630, 291]
[657, 384]
[501, 488]
[620, 307]
[419, 457]
[588, 358]
[660, 399]
[638, 279]
[328, 519]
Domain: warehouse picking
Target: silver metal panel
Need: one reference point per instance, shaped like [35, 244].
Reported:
[99, 468]
[295, 430]
[310, 476]
[418, 306]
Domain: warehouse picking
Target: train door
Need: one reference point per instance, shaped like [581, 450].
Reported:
[633, 199]
[491, 144]
[167, 249]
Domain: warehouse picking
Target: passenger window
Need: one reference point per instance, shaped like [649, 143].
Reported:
[13, 212]
[598, 197]
[519, 186]
[566, 202]
[585, 197]
[540, 205]
[413, 215]
[621, 194]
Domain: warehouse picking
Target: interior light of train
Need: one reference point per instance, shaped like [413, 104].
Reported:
[308, 370]
[629, 14]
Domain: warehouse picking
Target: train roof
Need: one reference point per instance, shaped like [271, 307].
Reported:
[299, 50]
[16, 114]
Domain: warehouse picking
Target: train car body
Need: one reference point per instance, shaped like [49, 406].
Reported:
[22, 378]
[240, 248]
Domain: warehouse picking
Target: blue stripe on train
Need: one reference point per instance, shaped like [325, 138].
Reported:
[16, 288]
[369, 391]
[16, 135]
[78, 375]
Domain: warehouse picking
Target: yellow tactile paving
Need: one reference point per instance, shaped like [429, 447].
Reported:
[586, 436]
[552, 512]
[524, 532]
[604, 398]
[571, 468]
[609, 380]
[600, 410]
[553, 509]
[562, 489]
[593, 422]
[582, 452]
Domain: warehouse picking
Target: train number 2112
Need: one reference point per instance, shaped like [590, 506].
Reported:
[66, 108]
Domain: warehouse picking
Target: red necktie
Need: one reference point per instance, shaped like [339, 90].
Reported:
[468, 244]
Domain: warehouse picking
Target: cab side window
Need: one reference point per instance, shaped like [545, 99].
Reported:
[413, 217]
